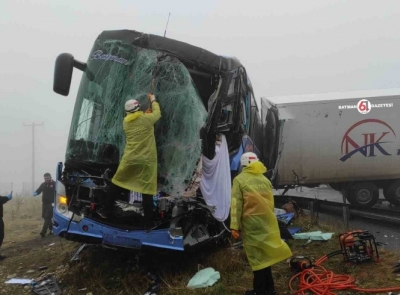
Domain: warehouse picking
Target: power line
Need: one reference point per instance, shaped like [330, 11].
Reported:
[33, 125]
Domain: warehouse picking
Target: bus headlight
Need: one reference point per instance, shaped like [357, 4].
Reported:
[61, 204]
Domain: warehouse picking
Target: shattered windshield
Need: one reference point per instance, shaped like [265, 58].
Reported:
[119, 71]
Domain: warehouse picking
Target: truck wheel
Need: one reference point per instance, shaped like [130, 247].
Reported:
[392, 193]
[349, 198]
[364, 194]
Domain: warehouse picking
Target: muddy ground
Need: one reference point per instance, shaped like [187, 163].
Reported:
[25, 249]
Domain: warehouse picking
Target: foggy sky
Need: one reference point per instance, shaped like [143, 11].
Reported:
[287, 47]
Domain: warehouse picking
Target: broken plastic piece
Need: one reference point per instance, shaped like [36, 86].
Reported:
[76, 257]
[286, 217]
[278, 211]
[19, 281]
[152, 290]
[204, 278]
[47, 286]
[294, 230]
[154, 287]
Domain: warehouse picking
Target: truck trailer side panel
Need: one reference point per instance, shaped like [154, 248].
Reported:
[332, 141]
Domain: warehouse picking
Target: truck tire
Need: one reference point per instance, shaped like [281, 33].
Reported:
[364, 194]
[392, 193]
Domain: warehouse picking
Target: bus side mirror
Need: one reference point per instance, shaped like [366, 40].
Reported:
[65, 63]
[63, 73]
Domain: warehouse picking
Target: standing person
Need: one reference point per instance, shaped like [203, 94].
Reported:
[137, 170]
[253, 218]
[47, 189]
[3, 200]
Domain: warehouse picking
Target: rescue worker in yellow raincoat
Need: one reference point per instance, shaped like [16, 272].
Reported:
[137, 170]
[253, 218]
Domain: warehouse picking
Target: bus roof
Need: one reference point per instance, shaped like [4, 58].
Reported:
[183, 51]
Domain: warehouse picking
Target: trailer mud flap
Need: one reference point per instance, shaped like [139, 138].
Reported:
[121, 242]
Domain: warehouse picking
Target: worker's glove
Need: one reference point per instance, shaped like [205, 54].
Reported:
[9, 197]
[149, 111]
[35, 194]
[235, 234]
[151, 97]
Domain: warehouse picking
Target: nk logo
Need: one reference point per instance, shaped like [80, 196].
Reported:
[369, 144]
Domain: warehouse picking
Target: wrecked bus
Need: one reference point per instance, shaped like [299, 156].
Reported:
[209, 118]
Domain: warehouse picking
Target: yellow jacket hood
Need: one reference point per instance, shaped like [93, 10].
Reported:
[255, 168]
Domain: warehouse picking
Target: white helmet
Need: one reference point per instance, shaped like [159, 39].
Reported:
[132, 105]
[248, 158]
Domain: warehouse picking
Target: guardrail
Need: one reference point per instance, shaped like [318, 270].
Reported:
[347, 211]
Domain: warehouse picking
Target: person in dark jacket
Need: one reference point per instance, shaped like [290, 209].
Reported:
[47, 189]
[3, 200]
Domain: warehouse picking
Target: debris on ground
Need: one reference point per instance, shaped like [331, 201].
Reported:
[286, 218]
[283, 221]
[19, 281]
[204, 278]
[154, 285]
[47, 286]
[314, 236]
[278, 211]
[76, 256]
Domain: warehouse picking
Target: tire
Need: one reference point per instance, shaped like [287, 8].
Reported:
[350, 199]
[364, 194]
[392, 193]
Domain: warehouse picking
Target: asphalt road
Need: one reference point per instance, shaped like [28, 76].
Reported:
[383, 232]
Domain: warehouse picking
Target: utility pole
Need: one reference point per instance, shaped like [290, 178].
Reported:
[33, 125]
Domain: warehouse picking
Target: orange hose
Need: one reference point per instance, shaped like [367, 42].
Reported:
[318, 280]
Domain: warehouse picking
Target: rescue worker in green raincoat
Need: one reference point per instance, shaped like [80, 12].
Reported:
[253, 218]
[137, 170]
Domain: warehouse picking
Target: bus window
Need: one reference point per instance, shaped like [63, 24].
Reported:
[226, 114]
[89, 120]
[231, 89]
[244, 114]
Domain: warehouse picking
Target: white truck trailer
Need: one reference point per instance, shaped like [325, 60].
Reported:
[350, 141]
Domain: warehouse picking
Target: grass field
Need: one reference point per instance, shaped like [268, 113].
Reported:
[105, 271]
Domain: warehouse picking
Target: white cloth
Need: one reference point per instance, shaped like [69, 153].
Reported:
[135, 197]
[215, 182]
